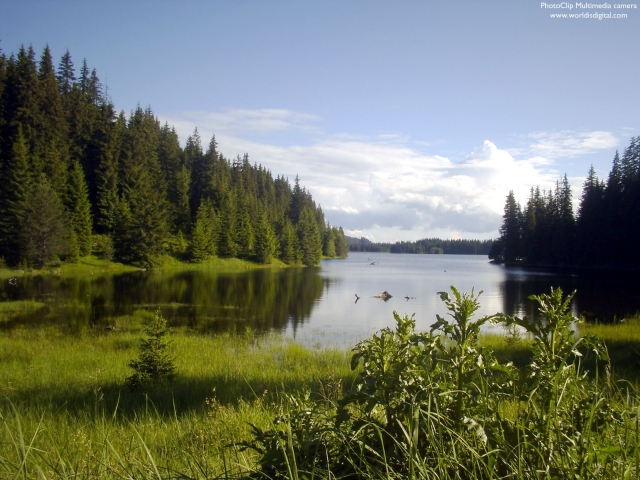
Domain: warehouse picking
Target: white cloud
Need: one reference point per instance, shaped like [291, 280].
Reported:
[567, 143]
[382, 188]
[242, 122]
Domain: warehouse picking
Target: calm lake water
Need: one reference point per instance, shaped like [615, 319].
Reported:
[316, 306]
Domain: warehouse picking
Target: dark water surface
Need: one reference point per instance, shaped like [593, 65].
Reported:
[315, 305]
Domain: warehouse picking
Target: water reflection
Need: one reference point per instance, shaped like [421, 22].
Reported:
[262, 300]
[313, 305]
[602, 295]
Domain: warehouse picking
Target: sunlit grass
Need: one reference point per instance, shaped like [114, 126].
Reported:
[70, 394]
[79, 420]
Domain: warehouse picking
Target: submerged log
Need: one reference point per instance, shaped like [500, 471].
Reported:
[384, 295]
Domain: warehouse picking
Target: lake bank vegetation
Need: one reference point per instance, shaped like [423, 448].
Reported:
[452, 403]
[426, 245]
[79, 178]
[603, 234]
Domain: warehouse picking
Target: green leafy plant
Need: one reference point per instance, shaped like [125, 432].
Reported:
[154, 364]
[438, 405]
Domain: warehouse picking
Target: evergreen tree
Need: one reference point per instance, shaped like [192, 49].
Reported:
[202, 238]
[245, 236]
[45, 232]
[193, 159]
[309, 238]
[52, 143]
[329, 243]
[154, 364]
[66, 74]
[16, 182]
[73, 252]
[226, 244]
[105, 147]
[266, 242]
[342, 248]
[181, 205]
[144, 193]
[289, 245]
[564, 232]
[510, 231]
[177, 176]
[590, 220]
[80, 209]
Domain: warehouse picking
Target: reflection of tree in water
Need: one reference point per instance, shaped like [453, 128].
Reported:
[601, 295]
[262, 300]
[517, 288]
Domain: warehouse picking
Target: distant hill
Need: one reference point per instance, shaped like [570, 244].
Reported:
[426, 245]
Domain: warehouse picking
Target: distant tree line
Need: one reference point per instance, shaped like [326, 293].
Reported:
[426, 245]
[604, 233]
[76, 177]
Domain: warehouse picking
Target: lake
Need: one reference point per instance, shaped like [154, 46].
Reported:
[316, 306]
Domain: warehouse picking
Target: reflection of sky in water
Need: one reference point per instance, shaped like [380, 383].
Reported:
[316, 306]
[338, 320]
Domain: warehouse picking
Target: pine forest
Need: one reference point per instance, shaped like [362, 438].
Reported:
[603, 234]
[79, 178]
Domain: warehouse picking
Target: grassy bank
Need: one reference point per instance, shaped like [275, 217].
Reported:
[68, 413]
[77, 415]
[92, 265]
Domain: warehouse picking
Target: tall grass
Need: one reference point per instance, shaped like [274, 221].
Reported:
[440, 405]
[66, 398]
[416, 405]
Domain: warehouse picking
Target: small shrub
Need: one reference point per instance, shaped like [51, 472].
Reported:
[154, 364]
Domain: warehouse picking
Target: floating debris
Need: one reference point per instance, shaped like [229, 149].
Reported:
[384, 296]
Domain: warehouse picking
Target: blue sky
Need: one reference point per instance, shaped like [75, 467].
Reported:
[404, 119]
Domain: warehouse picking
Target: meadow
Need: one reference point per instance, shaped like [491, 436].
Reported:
[261, 406]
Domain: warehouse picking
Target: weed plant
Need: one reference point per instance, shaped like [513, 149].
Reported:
[440, 405]
[448, 403]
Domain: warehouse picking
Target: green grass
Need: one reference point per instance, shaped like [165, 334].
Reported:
[623, 344]
[70, 397]
[63, 396]
[92, 265]
[622, 340]
[218, 264]
[89, 265]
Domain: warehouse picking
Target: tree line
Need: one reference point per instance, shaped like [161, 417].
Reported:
[76, 177]
[425, 245]
[604, 233]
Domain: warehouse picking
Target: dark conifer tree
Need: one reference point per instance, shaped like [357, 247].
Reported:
[289, 244]
[309, 238]
[298, 202]
[329, 243]
[510, 231]
[79, 209]
[226, 245]
[564, 234]
[590, 221]
[143, 192]
[66, 75]
[245, 235]
[194, 159]
[266, 244]
[342, 248]
[52, 126]
[177, 176]
[16, 183]
[45, 232]
[203, 244]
